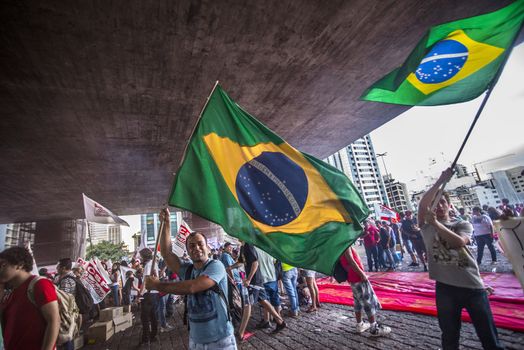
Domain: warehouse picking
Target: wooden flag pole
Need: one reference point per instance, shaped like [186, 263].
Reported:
[196, 124]
[161, 228]
[479, 111]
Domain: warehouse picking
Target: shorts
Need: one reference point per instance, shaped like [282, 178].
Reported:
[308, 273]
[364, 298]
[254, 295]
[272, 293]
[227, 343]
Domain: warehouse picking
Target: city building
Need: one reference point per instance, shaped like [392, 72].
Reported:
[18, 234]
[397, 193]
[510, 184]
[359, 162]
[461, 170]
[103, 232]
[149, 225]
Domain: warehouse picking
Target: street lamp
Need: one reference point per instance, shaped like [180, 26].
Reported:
[389, 194]
[382, 155]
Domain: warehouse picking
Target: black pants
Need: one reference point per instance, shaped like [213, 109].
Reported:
[148, 316]
[450, 302]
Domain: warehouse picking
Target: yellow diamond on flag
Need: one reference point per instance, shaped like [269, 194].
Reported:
[278, 189]
[451, 60]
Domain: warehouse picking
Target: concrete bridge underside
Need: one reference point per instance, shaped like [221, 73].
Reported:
[101, 96]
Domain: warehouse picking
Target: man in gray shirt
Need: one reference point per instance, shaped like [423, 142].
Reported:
[454, 268]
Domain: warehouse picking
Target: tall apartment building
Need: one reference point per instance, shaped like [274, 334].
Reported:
[149, 225]
[510, 184]
[12, 235]
[397, 193]
[101, 232]
[359, 162]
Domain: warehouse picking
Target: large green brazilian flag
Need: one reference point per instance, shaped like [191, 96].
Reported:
[454, 62]
[239, 174]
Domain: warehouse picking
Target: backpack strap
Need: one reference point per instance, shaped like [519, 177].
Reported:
[216, 288]
[31, 290]
[187, 276]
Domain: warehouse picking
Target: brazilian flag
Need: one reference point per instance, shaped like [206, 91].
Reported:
[454, 62]
[239, 174]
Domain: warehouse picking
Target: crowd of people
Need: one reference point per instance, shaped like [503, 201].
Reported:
[386, 242]
[439, 240]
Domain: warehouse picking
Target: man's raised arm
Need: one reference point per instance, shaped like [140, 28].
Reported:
[427, 199]
[165, 243]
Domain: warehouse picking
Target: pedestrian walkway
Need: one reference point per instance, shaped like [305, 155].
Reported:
[332, 327]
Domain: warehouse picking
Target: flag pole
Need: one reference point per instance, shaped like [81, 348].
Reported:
[161, 228]
[196, 124]
[477, 116]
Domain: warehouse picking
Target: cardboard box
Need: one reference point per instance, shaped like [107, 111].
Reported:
[100, 331]
[122, 323]
[79, 342]
[110, 313]
[127, 308]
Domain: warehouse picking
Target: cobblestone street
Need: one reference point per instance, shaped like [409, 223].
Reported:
[332, 327]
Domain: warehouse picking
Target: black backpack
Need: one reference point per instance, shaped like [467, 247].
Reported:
[83, 298]
[340, 273]
[233, 301]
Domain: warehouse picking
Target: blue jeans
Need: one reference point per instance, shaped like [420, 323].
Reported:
[372, 255]
[272, 292]
[389, 257]
[450, 302]
[483, 241]
[161, 311]
[116, 296]
[289, 279]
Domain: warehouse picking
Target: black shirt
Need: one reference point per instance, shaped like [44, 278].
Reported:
[248, 255]
[128, 285]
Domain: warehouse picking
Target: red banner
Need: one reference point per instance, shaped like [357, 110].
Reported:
[415, 292]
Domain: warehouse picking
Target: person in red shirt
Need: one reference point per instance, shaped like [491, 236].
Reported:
[371, 238]
[364, 297]
[24, 325]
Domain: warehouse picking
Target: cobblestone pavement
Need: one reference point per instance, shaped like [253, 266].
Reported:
[332, 327]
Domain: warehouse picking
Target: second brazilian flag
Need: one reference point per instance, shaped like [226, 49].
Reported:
[454, 62]
[239, 174]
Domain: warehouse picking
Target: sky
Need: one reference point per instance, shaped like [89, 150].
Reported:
[423, 141]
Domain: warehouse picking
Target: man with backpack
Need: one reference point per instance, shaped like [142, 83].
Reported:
[26, 324]
[69, 282]
[205, 285]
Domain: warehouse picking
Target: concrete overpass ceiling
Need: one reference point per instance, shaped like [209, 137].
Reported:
[101, 96]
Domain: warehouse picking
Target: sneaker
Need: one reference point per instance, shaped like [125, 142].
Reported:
[293, 314]
[414, 264]
[379, 330]
[362, 326]
[167, 328]
[280, 327]
[494, 262]
[263, 325]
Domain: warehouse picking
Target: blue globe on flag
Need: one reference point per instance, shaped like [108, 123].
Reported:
[272, 188]
[442, 63]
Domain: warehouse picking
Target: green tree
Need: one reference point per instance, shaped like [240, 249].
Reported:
[107, 250]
